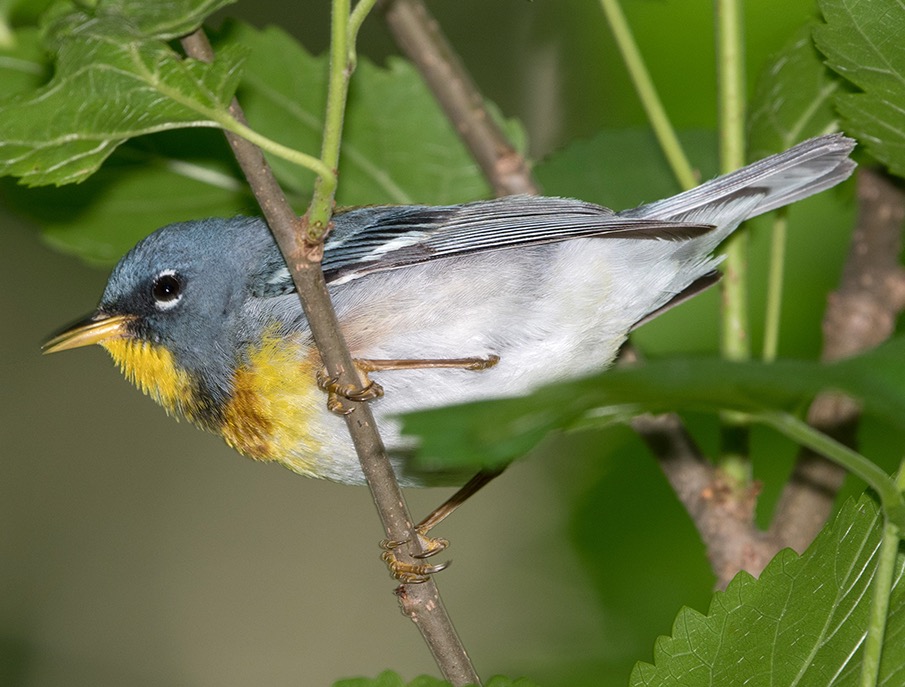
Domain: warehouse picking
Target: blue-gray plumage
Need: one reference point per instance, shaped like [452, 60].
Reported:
[202, 314]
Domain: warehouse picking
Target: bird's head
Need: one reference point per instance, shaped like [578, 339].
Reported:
[173, 313]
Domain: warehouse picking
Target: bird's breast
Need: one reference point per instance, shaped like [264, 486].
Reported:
[275, 409]
[272, 411]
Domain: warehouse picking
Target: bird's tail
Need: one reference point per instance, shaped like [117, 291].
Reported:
[801, 171]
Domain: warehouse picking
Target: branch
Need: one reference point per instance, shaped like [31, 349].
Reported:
[860, 315]
[735, 334]
[420, 37]
[722, 512]
[303, 261]
[648, 95]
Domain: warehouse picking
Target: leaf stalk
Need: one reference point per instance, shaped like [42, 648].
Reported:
[734, 340]
[775, 280]
[647, 93]
[887, 489]
[881, 589]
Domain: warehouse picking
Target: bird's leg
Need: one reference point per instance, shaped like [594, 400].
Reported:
[476, 363]
[414, 573]
[367, 389]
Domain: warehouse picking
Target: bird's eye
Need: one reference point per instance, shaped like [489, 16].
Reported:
[166, 290]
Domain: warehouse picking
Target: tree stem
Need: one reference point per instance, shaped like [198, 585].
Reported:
[880, 592]
[302, 258]
[775, 285]
[735, 340]
[647, 93]
[420, 37]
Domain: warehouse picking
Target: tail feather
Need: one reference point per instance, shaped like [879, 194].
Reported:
[781, 179]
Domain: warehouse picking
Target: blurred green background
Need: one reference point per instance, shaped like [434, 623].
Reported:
[138, 551]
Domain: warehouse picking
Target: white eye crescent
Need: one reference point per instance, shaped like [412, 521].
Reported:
[166, 290]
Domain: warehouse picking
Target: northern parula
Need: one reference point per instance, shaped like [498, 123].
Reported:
[494, 297]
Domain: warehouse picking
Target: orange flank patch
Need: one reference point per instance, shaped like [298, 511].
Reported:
[273, 405]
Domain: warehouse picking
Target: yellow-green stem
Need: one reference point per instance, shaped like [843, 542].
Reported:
[734, 341]
[731, 83]
[321, 207]
[881, 587]
[647, 93]
[774, 285]
[888, 490]
[356, 19]
[880, 592]
[271, 146]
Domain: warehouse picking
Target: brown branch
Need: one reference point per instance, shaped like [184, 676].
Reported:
[421, 601]
[722, 512]
[860, 314]
[420, 37]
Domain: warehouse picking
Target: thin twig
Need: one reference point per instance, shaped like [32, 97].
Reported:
[735, 343]
[419, 36]
[860, 315]
[881, 590]
[775, 279]
[722, 515]
[432, 619]
[648, 95]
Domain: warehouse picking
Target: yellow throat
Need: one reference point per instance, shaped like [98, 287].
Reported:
[153, 370]
[274, 411]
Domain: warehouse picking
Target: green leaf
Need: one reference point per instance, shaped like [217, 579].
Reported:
[862, 41]
[503, 681]
[793, 99]
[389, 678]
[22, 13]
[398, 146]
[639, 550]
[803, 622]
[491, 433]
[115, 78]
[391, 123]
[24, 65]
[144, 185]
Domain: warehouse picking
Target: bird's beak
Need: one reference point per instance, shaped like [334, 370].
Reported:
[97, 328]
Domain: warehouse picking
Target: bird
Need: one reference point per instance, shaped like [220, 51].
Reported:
[446, 304]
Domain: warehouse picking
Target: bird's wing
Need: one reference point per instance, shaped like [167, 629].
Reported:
[375, 239]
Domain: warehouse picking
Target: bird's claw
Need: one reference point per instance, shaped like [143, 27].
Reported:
[368, 390]
[338, 393]
[479, 364]
[414, 573]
